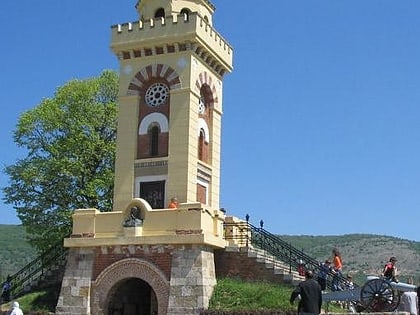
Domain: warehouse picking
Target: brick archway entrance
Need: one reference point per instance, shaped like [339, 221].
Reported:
[131, 297]
[132, 272]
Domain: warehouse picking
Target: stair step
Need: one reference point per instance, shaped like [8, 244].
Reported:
[278, 267]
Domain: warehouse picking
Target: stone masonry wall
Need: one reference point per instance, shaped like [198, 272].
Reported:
[239, 265]
[192, 280]
[75, 289]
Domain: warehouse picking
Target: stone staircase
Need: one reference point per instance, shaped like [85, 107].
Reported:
[50, 278]
[250, 263]
[44, 271]
[278, 267]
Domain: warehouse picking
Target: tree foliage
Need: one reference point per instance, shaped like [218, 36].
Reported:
[70, 144]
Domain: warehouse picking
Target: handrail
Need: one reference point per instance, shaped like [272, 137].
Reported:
[283, 251]
[30, 273]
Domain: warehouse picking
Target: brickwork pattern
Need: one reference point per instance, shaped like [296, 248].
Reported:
[158, 255]
[126, 269]
[206, 79]
[137, 85]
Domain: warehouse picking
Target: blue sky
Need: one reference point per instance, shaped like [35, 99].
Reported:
[321, 132]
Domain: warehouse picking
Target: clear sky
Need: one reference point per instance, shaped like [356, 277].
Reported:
[321, 132]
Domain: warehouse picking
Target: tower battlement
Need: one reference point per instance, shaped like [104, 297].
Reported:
[146, 38]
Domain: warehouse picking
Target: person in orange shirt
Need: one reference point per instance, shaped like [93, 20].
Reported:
[173, 204]
[337, 268]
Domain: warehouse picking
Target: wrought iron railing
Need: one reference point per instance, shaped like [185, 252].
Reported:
[295, 259]
[30, 274]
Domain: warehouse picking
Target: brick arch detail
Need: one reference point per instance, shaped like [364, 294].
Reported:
[203, 125]
[161, 71]
[159, 118]
[125, 269]
[204, 78]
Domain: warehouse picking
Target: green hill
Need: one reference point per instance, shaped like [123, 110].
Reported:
[363, 254]
[15, 251]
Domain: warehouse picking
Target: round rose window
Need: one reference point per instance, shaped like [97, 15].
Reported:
[157, 94]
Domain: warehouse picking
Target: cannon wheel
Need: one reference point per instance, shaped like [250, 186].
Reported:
[377, 295]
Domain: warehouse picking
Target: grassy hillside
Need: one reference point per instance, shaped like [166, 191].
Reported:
[363, 254]
[15, 252]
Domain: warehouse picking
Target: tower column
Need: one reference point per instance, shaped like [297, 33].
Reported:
[126, 150]
[180, 163]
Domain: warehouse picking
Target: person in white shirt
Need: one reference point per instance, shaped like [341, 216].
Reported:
[15, 309]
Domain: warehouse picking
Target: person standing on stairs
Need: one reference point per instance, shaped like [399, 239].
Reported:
[338, 270]
[324, 270]
[6, 288]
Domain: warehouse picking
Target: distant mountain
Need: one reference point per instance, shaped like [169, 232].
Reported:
[15, 251]
[363, 254]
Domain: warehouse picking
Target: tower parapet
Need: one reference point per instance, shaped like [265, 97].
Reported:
[150, 9]
[150, 37]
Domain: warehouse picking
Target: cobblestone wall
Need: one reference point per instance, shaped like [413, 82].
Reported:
[192, 280]
[75, 289]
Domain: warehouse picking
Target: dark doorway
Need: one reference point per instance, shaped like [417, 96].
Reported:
[153, 193]
[132, 297]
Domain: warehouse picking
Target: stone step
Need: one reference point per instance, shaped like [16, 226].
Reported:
[277, 266]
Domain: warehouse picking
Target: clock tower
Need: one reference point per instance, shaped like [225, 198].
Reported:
[142, 258]
[172, 63]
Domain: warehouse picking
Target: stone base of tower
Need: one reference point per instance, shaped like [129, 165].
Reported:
[76, 286]
[165, 266]
[193, 278]
[182, 278]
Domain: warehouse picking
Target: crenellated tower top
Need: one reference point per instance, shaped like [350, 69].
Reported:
[149, 9]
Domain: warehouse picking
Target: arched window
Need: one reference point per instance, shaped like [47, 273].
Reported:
[201, 140]
[201, 106]
[160, 13]
[185, 14]
[204, 102]
[153, 140]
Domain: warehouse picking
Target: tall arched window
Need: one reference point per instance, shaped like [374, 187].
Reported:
[153, 140]
[201, 140]
[160, 13]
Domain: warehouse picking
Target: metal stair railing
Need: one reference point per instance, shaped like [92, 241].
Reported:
[33, 271]
[258, 237]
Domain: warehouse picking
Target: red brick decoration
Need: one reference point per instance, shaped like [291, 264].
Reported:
[205, 79]
[138, 83]
[125, 269]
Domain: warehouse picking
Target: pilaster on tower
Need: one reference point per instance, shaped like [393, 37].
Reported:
[172, 63]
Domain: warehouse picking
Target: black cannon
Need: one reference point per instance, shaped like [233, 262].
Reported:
[375, 295]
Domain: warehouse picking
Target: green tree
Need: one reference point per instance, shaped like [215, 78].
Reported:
[70, 144]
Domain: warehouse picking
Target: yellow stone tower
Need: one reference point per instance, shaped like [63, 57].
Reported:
[172, 62]
[142, 258]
